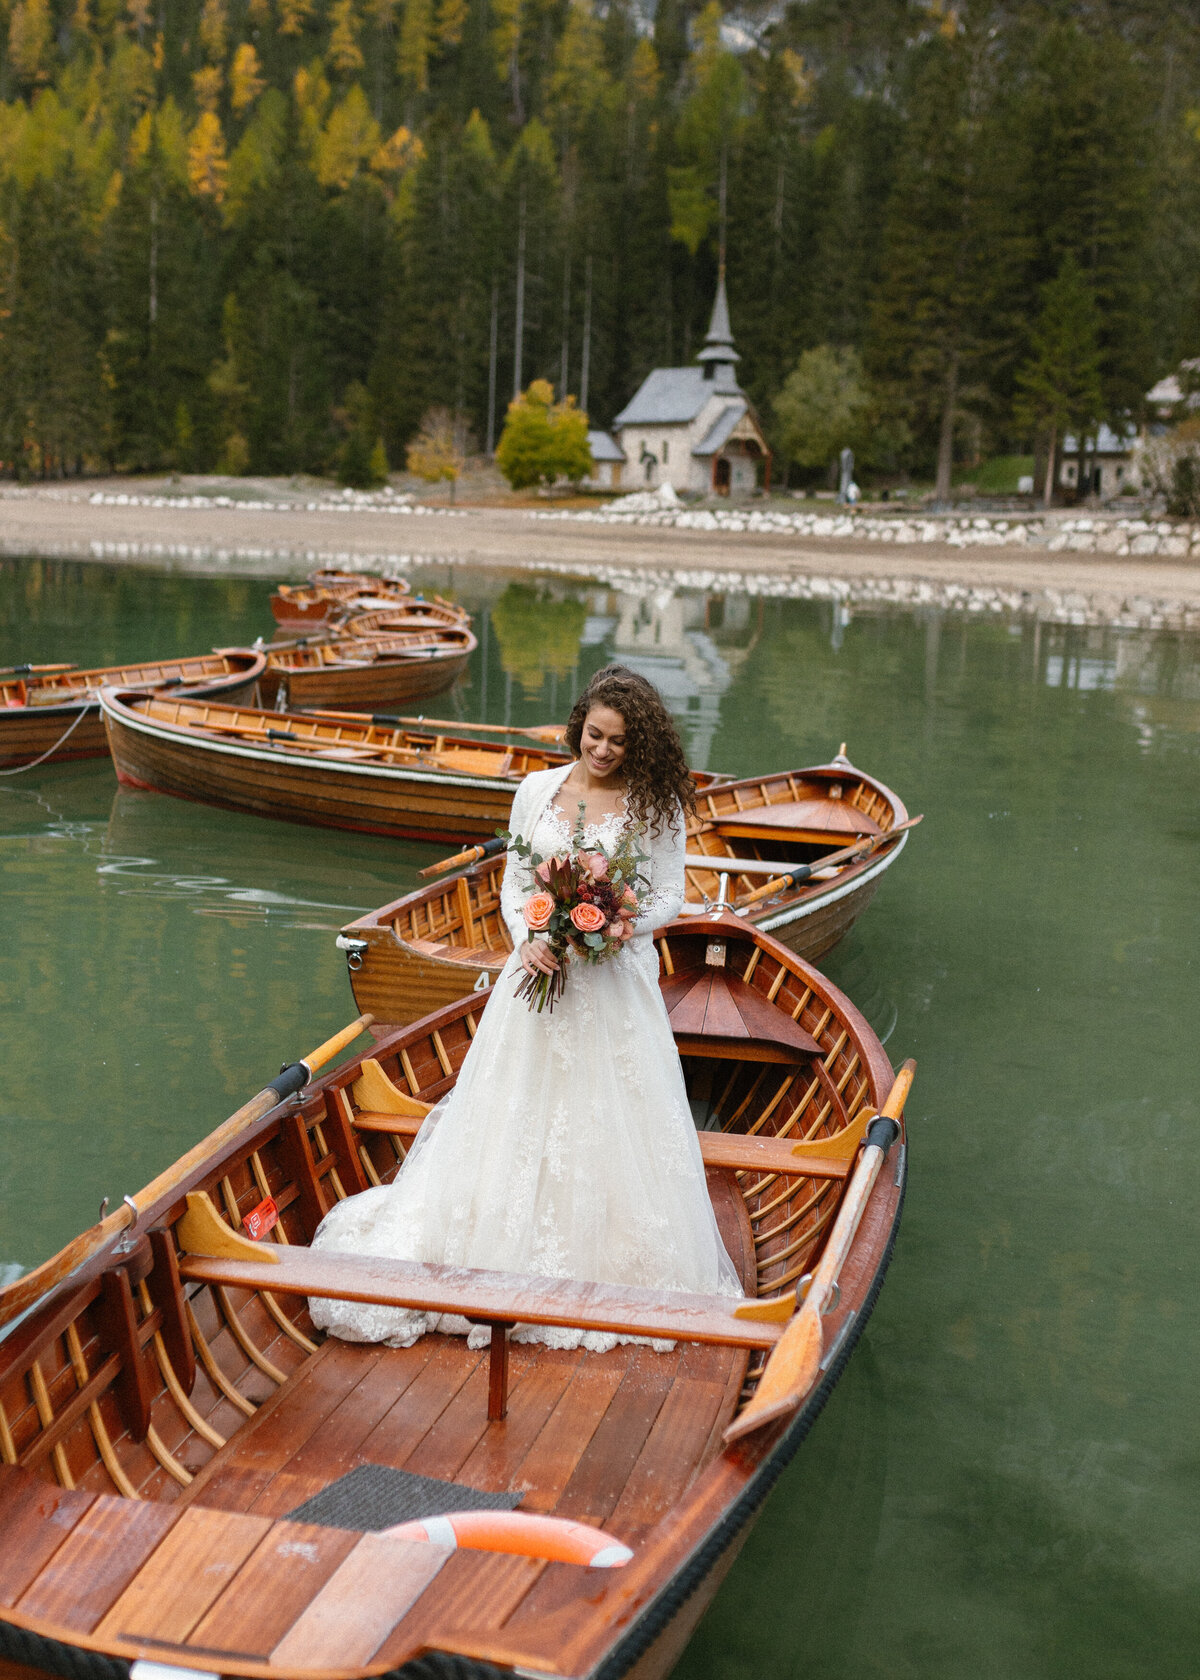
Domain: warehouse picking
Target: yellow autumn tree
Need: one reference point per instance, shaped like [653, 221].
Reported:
[416, 44]
[207, 164]
[207, 85]
[214, 30]
[140, 14]
[348, 141]
[345, 54]
[451, 21]
[245, 78]
[30, 39]
[293, 15]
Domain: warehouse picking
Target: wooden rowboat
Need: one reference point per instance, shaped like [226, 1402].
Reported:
[374, 670]
[306, 606]
[57, 713]
[167, 1410]
[404, 615]
[336, 772]
[798, 817]
[447, 939]
[374, 778]
[329, 598]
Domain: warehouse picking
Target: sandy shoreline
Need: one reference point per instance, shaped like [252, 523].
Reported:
[289, 538]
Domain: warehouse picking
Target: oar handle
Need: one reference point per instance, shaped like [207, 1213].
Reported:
[333, 1046]
[29, 670]
[472, 854]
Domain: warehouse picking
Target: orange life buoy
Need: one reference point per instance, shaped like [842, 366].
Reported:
[521, 1534]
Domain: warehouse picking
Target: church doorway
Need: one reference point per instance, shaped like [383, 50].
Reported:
[722, 473]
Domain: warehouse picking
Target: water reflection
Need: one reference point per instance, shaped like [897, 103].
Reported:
[1003, 1483]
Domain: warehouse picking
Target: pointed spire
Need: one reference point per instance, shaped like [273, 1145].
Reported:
[718, 342]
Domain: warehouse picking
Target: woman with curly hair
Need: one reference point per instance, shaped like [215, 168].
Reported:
[567, 1147]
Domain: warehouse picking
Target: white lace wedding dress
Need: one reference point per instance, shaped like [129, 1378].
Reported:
[567, 1148]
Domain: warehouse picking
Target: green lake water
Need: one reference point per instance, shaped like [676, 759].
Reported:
[1006, 1482]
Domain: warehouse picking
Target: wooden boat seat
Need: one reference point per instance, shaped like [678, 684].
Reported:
[715, 1014]
[496, 1299]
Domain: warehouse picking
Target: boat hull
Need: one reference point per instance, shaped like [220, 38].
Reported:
[383, 682]
[59, 731]
[270, 782]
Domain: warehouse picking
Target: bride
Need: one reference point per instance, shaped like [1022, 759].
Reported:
[566, 1148]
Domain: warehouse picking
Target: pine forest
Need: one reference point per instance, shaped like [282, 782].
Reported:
[250, 235]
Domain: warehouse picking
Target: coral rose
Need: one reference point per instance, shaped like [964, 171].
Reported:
[588, 918]
[538, 911]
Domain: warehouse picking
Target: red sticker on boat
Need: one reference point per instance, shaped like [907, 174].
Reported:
[261, 1219]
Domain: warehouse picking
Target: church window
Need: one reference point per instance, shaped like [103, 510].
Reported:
[665, 446]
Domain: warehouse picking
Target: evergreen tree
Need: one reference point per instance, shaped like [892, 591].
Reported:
[1059, 386]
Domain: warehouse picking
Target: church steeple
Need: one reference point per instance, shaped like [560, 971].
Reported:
[718, 356]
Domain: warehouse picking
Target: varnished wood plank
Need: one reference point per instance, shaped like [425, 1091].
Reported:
[599, 1477]
[670, 1457]
[96, 1562]
[552, 1459]
[449, 1442]
[481, 1294]
[475, 1594]
[417, 1411]
[266, 1441]
[386, 1375]
[540, 1377]
[274, 1586]
[360, 1604]
[184, 1575]
[35, 1517]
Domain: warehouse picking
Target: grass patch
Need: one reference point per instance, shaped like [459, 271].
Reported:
[997, 477]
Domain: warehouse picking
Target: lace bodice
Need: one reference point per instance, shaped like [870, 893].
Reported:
[538, 818]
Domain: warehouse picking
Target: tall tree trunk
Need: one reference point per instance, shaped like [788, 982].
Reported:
[491, 409]
[519, 329]
[566, 327]
[945, 455]
[1048, 489]
[586, 364]
[153, 259]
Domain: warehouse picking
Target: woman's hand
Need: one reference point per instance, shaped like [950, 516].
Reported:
[538, 958]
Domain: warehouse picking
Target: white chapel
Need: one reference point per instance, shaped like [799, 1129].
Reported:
[690, 427]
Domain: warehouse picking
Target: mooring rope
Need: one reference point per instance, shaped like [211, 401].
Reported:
[34, 762]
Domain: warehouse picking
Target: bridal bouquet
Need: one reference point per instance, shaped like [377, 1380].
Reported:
[585, 905]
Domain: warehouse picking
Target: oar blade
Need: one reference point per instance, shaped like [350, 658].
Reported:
[791, 1371]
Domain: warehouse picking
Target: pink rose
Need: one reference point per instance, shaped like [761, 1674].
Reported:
[538, 911]
[588, 918]
[598, 864]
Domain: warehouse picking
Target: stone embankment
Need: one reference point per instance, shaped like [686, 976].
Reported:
[343, 501]
[1080, 534]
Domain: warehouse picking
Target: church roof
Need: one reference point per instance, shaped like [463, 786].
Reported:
[718, 433]
[668, 396]
[604, 447]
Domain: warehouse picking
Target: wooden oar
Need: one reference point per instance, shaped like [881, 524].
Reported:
[796, 1362]
[29, 670]
[541, 732]
[16, 1297]
[471, 855]
[805, 871]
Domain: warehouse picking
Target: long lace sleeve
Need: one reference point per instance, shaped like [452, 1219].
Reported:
[662, 900]
[517, 883]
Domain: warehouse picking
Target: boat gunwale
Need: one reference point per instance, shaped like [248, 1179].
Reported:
[685, 1543]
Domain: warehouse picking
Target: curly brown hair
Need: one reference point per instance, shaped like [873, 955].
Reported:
[657, 779]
